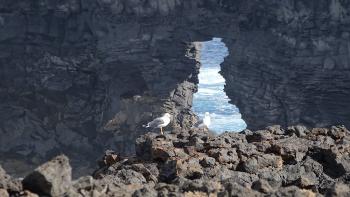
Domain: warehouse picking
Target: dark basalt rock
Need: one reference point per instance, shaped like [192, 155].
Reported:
[52, 178]
[312, 167]
[78, 77]
[286, 69]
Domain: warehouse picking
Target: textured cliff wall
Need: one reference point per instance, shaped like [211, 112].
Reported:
[290, 62]
[81, 76]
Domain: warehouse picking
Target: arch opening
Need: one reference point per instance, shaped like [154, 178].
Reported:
[211, 96]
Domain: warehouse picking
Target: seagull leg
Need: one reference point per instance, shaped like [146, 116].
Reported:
[161, 130]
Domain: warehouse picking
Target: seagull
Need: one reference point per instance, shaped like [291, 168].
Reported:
[159, 122]
[205, 122]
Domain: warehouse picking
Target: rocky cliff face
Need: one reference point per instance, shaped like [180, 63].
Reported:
[271, 162]
[290, 62]
[80, 76]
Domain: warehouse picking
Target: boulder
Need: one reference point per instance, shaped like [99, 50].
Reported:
[108, 159]
[154, 147]
[190, 168]
[339, 132]
[53, 178]
[298, 130]
[339, 190]
[258, 162]
[224, 155]
[262, 186]
[292, 149]
[234, 189]
[260, 136]
[4, 193]
[207, 162]
[8, 183]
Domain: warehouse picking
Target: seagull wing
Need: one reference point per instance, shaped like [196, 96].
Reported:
[156, 122]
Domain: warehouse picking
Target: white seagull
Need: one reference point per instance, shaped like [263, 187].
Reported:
[205, 122]
[159, 122]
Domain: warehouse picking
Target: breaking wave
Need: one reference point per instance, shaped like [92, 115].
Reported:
[211, 96]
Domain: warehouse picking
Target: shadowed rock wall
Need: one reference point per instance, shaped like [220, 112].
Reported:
[81, 76]
[289, 63]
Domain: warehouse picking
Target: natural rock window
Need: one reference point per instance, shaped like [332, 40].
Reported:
[211, 96]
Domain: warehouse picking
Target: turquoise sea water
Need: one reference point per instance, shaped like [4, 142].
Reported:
[211, 96]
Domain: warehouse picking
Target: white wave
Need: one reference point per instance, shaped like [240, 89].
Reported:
[207, 91]
[210, 76]
[211, 96]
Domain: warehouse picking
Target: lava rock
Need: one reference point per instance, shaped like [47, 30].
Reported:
[207, 162]
[224, 155]
[8, 183]
[52, 178]
[234, 189]
[255, 163]
[313, 164]
[145, 192]
[339, 132]
[108, 159]
[190, 168]
[300, 131]
[276, 130]
[339, 190]
[262, 186]
[155, 147]
[4, 193]
[291, 149]
[260, 136]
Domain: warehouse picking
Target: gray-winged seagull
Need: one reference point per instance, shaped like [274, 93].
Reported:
[159, 122]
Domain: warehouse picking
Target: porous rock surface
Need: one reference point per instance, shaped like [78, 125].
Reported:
[273, 162]
[80, 76]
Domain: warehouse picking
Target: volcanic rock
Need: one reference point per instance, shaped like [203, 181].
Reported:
[52, 178]
[8, 183]
[224, 165]
[339, 190]
[79, 77]
[4, 193]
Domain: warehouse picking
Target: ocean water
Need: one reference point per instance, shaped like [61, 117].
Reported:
[211, 96]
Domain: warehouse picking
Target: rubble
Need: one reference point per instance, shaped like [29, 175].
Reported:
[269, 162]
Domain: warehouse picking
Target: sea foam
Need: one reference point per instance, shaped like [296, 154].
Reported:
[211, 96]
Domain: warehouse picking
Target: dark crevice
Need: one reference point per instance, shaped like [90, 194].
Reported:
[330, 165]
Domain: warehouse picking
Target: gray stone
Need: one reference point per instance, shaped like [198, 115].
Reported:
[207, 162]
[9, 183]
[262, 186]
[4, 193]
[52, 178]
[339, 189]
